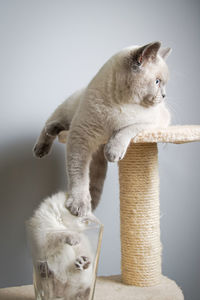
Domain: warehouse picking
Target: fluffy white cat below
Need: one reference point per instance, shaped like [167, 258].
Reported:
[62, 254]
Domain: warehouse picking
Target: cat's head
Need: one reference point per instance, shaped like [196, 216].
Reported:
[142, 73]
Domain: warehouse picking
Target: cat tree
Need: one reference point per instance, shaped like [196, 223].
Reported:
[141, 277]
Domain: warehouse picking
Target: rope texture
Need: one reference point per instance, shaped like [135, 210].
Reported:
[140, 216]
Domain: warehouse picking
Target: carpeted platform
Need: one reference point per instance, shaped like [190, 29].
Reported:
[109, 288]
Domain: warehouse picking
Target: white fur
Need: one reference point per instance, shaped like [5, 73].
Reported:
[48, 229]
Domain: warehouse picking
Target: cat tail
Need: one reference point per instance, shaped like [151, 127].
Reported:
[98, 169]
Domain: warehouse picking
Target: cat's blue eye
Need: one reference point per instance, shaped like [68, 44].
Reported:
[157, 81]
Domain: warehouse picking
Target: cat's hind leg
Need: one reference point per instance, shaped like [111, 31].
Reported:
[44, 270]
[98, 169]
[59, 120]
[47, 136]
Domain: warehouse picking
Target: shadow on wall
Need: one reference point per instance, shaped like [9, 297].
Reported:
[25, 181]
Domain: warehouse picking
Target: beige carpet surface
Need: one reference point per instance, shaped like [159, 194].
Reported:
[172, 134]
[109, 288]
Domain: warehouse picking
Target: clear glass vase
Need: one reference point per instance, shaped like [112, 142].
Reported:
[69, 271]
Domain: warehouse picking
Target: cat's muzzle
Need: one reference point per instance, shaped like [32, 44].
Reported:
[150, 101]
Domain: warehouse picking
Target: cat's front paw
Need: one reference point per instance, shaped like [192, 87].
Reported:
[82, 263]
[78, 205]
[72, 240]
[114, 150]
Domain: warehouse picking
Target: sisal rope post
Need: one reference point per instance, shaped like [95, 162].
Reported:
[140, 219]
[140, 216]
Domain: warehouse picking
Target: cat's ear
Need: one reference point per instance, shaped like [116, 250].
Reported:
[147, 53]
[165, 52]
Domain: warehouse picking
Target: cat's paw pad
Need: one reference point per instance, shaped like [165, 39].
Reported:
[78, 207]
[72, 240]
[82, 263]
[41, 149]
[113, 152]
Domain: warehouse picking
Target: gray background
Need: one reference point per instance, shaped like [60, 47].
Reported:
[48, 50]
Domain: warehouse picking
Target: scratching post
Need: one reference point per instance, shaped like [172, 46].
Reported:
[140, 216]
[140, 220]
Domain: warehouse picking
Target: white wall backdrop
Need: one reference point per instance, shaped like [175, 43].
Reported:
[49, 49]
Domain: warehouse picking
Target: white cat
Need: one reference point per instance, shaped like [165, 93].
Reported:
[61, 252]
[124, 98]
